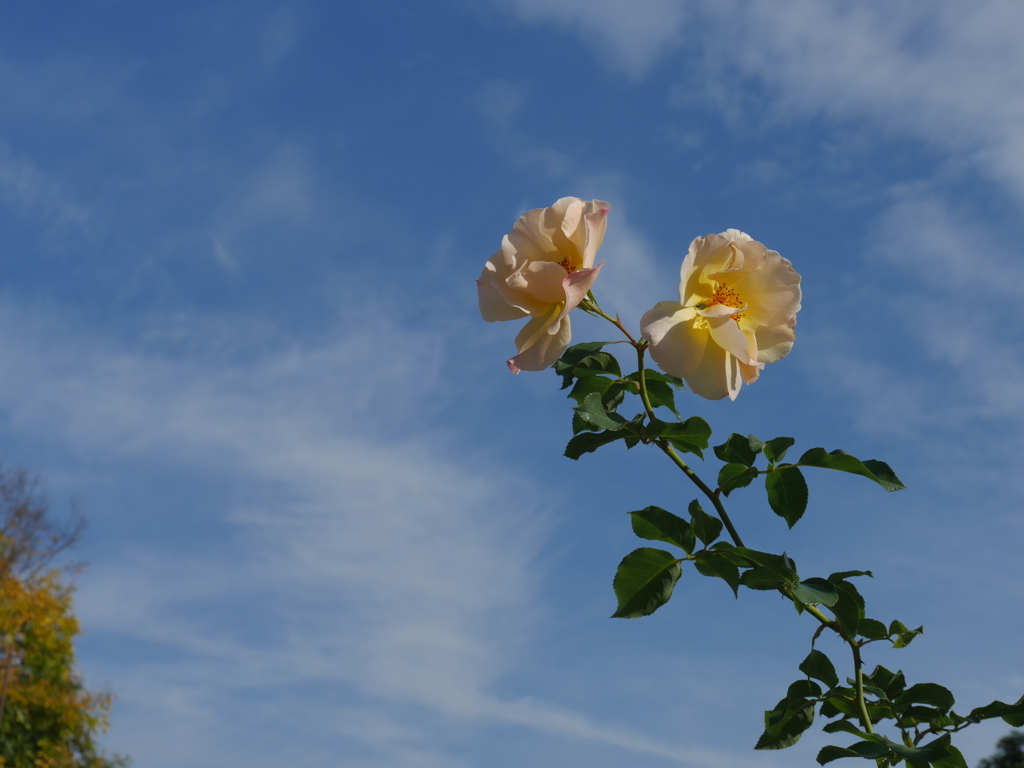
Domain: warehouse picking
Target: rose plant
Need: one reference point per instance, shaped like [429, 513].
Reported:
[736, 312]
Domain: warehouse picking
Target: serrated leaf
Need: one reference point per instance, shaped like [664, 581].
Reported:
[787, 493]
[659, 391]
[761, 578]
[841, 461]
[872, 629]
[590, 385]
[586, 442]
[575, 354]
[926, 693]
[705, 527]
[668, 378]
[691, 436]
[843, 726]
[775, 449]
[644, 582]
[780, 565]
[816, 591]
[849, 609]
[820, 667]
[892, 683]
[843, 575]
[715, 564]
[593, 412]
[840, 705]
[736, 450]
[579, 425]
[866, 749]
[657, 524]
[787, 721]
[1011, 713]
[734, 476]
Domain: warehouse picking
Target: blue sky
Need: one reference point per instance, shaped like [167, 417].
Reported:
[327, 527]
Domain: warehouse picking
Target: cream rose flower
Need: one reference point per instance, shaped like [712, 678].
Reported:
[544, 269]
[736, 311]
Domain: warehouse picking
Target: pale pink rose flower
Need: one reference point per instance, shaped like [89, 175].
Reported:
[736, 311]
[544, 270]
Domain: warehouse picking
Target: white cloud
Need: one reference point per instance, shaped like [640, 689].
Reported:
[31, 192]
[948, 75]
[366, 564]
[633, 35]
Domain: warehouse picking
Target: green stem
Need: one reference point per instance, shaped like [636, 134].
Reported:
[861, 703]
[590, 304]
[640, 348]
[712, 496]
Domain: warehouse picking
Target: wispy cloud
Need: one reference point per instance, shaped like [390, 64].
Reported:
[31, 192]
[631, 36]
[385, 568]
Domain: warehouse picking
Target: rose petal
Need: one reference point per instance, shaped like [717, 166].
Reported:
[708, 378]
[774, 343]
[538, 346]
[750, 373]
[576, 285]
[772, 293]
[674, 344]
[596, 215]
[659, 320]
[493, 307]
[727, 334]
[541, 280]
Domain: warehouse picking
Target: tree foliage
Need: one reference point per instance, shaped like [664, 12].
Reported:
[1009, 752]
[48, 719]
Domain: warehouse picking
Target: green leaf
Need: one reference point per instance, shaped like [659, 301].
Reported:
[816, 592]
[590, 385]
[849, 609]
[736, 450]
[939, 751]
[787, 493]
[926, 693]
[586, 442]
[819, 666]
[903, 635]
[1011, 713]
[791, 717]
[775, 449]
[780, 565]
[716, 564]
[872, 630]
[892, 683]
[840, 704]
[690, 437]
[675, 381]
[733, 476]
[593, 412]
[841, 461]
[579, 425]
[761, 578]
[661, 394]
[706, 527]
[659, 390]
[866, 749]
[843, 726]
[843, 575]
[656, 524]
[576, 354]
[644, 582]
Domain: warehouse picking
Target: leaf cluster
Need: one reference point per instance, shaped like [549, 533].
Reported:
[784, 482]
